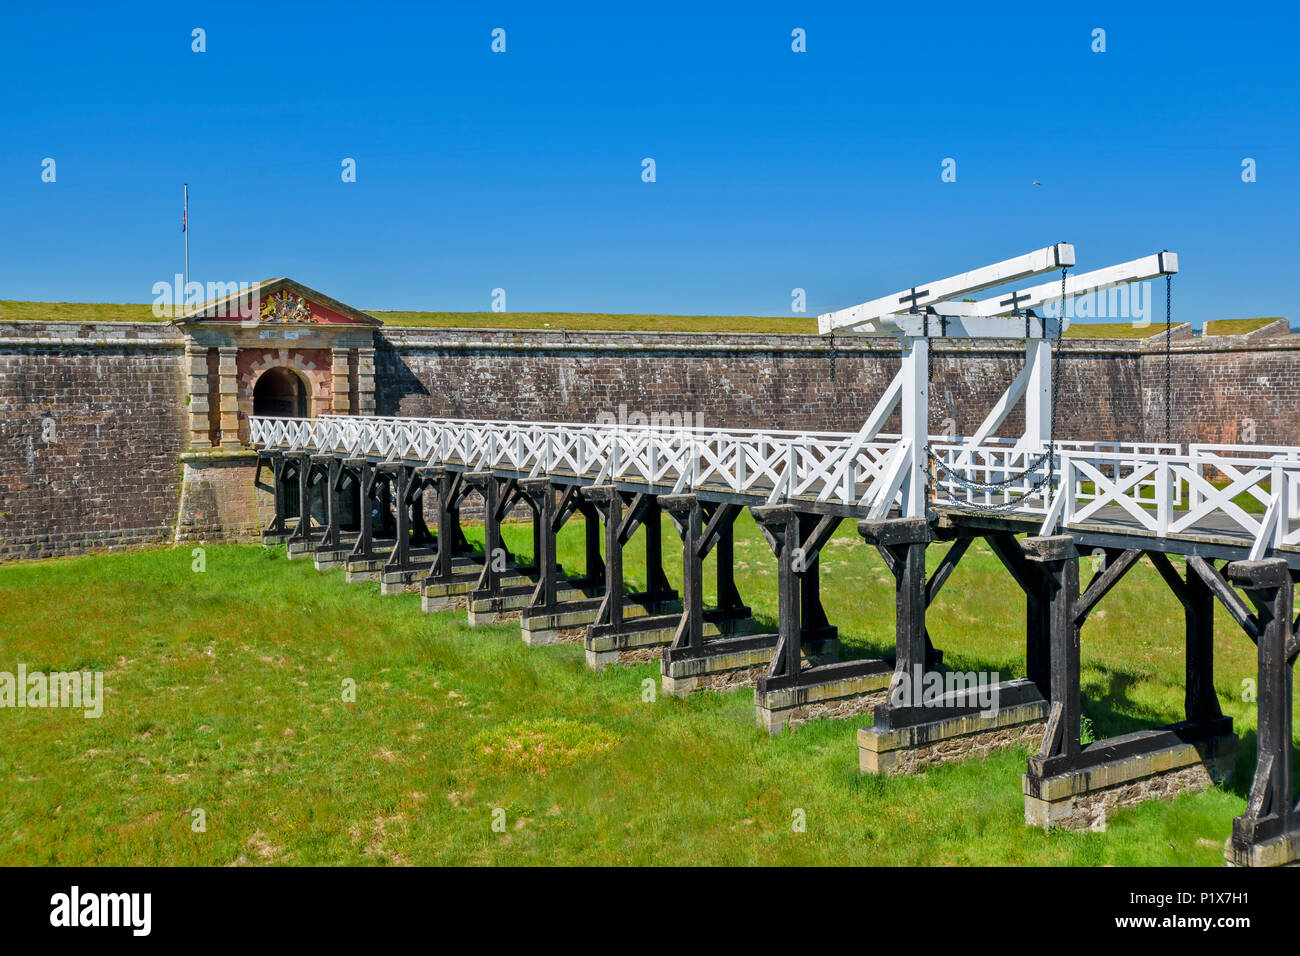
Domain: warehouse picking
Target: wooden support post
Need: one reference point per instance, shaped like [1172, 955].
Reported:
[495, 555]
[421, 535]
[332, 466]
[658, 589]
[902, 544]
[542, 493]
[276, 531]
[594, 570]
[729, 599]
[386, 520]
[309, 468]
[1268, 833]
[444, 483]
[365, 513]
[630, 628]
[781, 526]
[400, 558]
[1200, 703]
[690, 516]
[1059, 560]
[813, 625]
[612, 609]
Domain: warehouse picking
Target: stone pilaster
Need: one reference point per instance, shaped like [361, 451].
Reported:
[365, 381]
[342, 385]
[196, 362]
[228, 394]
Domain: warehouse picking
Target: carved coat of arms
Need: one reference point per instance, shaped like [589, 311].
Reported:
[285, 307]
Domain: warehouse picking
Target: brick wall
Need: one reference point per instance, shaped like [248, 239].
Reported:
[92, 429]
[90, 433]
[738, 381]
[219, 500]
[1226, 394]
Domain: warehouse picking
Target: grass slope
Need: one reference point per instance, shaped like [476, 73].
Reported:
[12, 311]
[224, 693]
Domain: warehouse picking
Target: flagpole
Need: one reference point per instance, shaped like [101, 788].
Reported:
[185, 222]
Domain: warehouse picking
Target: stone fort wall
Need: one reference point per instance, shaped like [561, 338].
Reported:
[93, 419]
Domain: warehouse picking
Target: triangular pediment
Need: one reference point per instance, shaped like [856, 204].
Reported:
[278, 302]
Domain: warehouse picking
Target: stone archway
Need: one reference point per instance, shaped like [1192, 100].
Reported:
[280, 393]
[310, 367]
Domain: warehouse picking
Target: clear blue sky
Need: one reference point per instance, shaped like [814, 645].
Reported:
[522, 170]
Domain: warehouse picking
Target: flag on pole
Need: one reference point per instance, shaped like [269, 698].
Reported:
[185, 212]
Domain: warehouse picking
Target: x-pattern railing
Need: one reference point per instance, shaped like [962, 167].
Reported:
[1251, 490]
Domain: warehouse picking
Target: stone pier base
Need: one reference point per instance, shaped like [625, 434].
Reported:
[1084, 799]
[569, 625]
[643, 645]
[299, 548]
[403, 582]
[330, 558]
[724, 668]
[360, 571]
[915, 748]
[510, 603]
[1280, 851]
[837, 699]
[447, 596]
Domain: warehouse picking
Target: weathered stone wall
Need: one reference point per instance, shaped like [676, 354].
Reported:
[219, 500]
[92, 415]
[738, 381]
[91, 429]
[1225, 390]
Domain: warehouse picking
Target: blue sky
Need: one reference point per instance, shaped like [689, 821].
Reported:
[522, 170]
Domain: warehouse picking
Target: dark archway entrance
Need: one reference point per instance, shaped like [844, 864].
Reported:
[279, 393]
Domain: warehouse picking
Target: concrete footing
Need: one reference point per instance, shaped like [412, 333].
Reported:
[837, 699]
[915, 748]
[1084, 799]
[729, 663]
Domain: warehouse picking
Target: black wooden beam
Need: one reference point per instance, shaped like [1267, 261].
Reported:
[1229, 598]
[1102, 582]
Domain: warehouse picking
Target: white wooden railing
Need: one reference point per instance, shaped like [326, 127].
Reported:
[1235, 490]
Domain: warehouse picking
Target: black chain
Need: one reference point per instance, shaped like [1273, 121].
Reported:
[1049, 456]
[1169, 332]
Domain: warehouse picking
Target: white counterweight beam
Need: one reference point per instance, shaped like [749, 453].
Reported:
[1148, 267]
[872, 318]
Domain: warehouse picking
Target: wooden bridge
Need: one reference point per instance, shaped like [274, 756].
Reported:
[383, 497]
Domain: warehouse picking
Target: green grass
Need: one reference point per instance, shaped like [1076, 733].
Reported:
[1113, 330]
[594, 322]
[1236, 326]
[11, 311]
[224, 692]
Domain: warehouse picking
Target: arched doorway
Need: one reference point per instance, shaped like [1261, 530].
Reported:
[279, 393]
